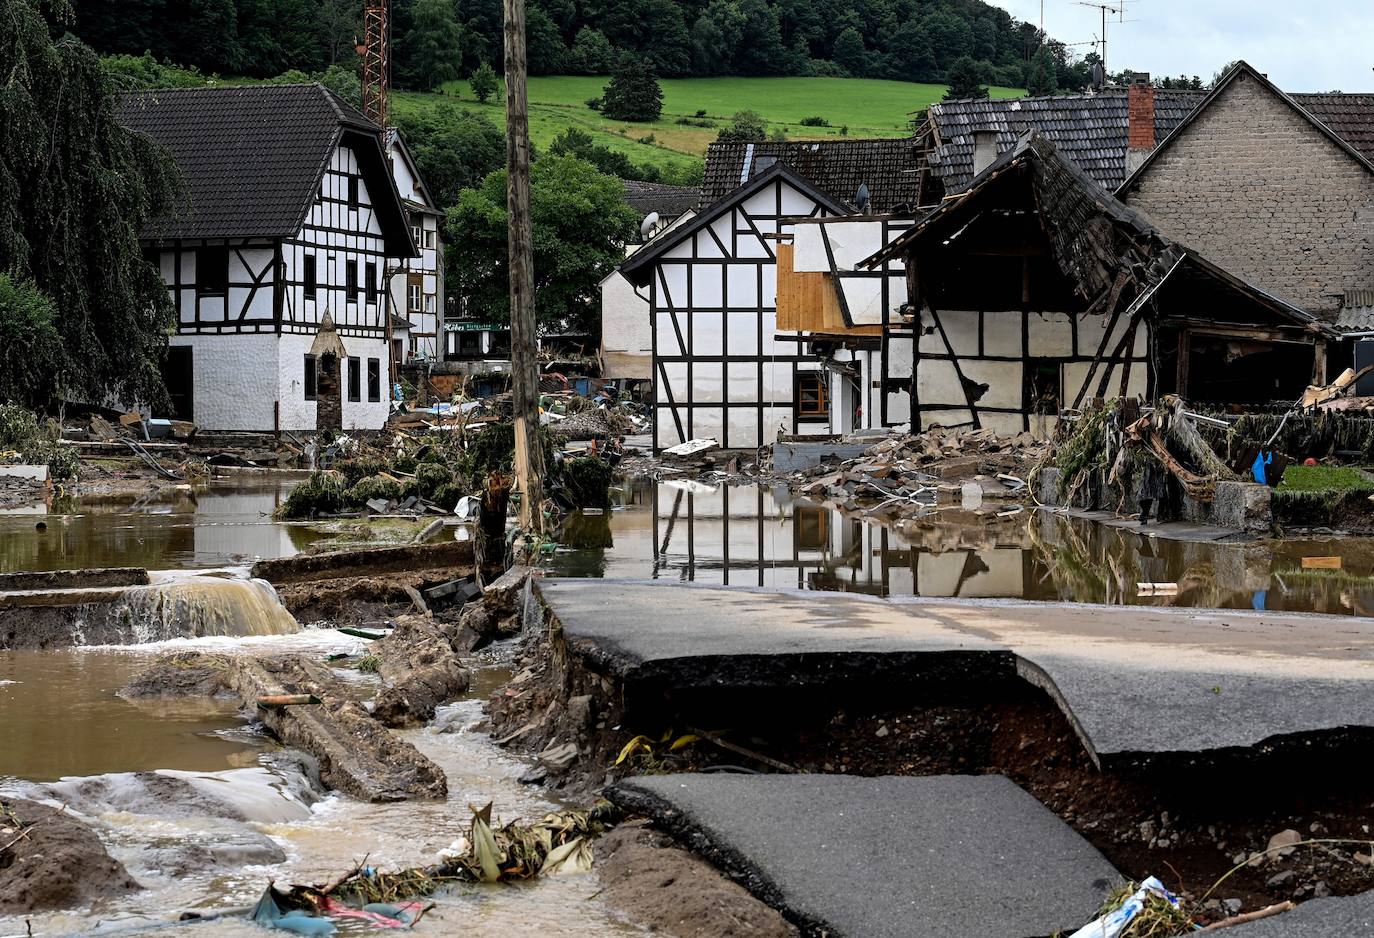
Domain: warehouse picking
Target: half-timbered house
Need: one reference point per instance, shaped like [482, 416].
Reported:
[723, 367]
[417, 283]
[1034, 290]
[289, 220]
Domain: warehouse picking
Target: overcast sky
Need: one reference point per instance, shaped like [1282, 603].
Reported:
[1313, 45]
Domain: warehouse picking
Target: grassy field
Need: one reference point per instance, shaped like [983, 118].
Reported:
[865, 107]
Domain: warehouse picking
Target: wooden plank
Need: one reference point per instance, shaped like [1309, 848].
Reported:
[1321, 563]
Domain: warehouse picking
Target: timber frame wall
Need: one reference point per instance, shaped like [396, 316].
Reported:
[267, 292]
[720, 369]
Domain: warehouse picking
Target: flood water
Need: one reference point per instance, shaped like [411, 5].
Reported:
[216, 525]
[761, 537]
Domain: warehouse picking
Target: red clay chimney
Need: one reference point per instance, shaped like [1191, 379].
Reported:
[1140, 120]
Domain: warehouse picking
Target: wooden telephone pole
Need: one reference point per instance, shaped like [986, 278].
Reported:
[529, 461]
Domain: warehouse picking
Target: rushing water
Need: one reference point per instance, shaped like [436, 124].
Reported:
[756, 536]
[227, 811]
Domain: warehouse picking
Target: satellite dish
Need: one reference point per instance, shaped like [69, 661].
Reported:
[1099, 76]
[862, 198]
[648, 224]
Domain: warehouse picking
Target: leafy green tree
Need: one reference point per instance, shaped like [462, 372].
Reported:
[850, 53]
[484, 83]
[965, 80]
[140, 72]
[744, 127]
[762, 52]
[715, 35]
[77, 190]
[592, 53]
[580, 224]
[454, 150]
[430, 51]
[909, 55]
[1041, 77]
[344, 82]
[33, 366]
[544, 49]
[633, 93]
[579, 143]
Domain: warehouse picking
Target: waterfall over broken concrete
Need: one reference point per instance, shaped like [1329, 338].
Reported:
[201, 606]
[210, 604]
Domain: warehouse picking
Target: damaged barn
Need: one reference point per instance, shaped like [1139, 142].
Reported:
[1035, 291]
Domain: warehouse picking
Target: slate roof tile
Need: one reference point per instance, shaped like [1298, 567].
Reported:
[835, 167]
[250, 157]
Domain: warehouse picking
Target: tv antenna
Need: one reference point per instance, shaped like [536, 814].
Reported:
[1108, 9]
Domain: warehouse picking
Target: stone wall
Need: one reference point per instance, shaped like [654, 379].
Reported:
[1256, 188]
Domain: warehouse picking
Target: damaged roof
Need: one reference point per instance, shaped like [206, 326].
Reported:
[251, 158]
[669, 201]
[1090, 129]
[836, 167]
[1094, 237]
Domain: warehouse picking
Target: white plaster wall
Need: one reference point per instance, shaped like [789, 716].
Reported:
[625, 330]
[297, 413]
[234, 385]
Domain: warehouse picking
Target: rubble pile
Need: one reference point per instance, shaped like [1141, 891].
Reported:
[912, 472]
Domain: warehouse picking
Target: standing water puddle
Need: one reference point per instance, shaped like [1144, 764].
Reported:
[761, 537]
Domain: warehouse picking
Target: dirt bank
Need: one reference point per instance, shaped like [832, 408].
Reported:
[670, 891]
[50, 860]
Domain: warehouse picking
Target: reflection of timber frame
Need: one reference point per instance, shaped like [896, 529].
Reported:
[811, 527]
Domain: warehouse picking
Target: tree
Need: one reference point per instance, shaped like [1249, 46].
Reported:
[744, 127]
[78, 189]
[580, 224]
[454, 150]
[762, 52]
[579, 143]
[965, 80]
[850, 54]
[430, 52]
[592, 53]
[32, 368]
[484, 83]
[633, 93]
[1041, 77]
[544, 47]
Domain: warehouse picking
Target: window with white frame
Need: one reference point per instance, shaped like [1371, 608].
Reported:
[416, 297]
[430, 302]
[429, 238]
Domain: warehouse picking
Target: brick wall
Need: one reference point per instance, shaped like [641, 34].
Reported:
[1253, 186]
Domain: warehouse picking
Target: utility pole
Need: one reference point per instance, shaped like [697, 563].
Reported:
[529, 460]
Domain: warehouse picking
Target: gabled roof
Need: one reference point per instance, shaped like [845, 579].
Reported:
[836, 167]
[251, 158]
[396, 143]
[635, 267]
[1347, 114]
[1092, 234]
[669, 201]
[1089, 129]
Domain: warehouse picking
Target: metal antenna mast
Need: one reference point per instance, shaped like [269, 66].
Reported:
[1106, 7]
[376, 55]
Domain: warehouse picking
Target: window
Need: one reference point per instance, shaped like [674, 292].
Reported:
[1043, 392]
[353, 192]
[417, 233]
[813, 398]
[811, 527]
[308, 275]
[430, 302]
[212, 271]
[371, 284]
[311, 378]
[351, 278]
[416, 293]
[429, 238]
[355, 379]
[374, 379]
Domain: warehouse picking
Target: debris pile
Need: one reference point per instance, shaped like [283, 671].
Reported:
[907, 473]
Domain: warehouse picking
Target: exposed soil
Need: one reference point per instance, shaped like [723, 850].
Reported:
[60, 863]
[1186, 819]
[673, 892]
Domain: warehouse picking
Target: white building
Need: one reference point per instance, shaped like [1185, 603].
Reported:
[289, 215]
[417, 283]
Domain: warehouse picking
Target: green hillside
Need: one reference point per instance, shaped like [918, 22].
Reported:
[866, 107]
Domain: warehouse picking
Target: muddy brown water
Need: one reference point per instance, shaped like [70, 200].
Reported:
[762, 537]
[218, 524]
